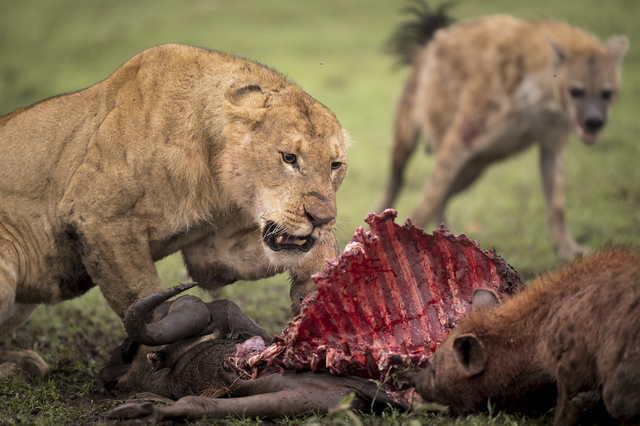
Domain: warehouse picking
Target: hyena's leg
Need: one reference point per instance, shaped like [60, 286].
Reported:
[12, 315]
[467, 175]
[552, 169]
[405, 139]
[621, 389]
[447, 178]
[570, 402]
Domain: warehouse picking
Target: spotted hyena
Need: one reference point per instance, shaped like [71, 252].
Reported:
[485, 89]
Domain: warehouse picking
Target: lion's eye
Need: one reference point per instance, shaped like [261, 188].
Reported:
[336, 165]
[289, 158]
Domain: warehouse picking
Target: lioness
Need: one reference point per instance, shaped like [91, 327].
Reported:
[485, 89]
[180, 149]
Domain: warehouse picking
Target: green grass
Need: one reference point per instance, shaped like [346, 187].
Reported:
[331, 48]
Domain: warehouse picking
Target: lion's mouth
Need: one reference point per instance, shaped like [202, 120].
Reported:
[277, 240]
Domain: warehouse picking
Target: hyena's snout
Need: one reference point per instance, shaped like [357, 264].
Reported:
[595, 117]
[591, 119]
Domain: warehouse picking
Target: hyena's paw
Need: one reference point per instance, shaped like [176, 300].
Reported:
[16, 362]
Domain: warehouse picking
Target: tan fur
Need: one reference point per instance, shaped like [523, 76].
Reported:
[577, 328]
[180, 149]
[483, 90]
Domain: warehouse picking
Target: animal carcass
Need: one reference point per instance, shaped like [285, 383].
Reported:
[382, 306]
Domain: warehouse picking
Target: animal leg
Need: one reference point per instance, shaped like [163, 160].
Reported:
[119, 261]
[12, 315]
[450, 162]
[13, 362]
[585, 400]
[275, 395]
[286, 402]
[552, 169]
[405, 139]
[621, 389]
[468, 174]
[570, 402]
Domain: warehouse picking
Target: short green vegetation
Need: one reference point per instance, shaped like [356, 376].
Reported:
[333, 49]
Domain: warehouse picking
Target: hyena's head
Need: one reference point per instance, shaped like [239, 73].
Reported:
[588, 81]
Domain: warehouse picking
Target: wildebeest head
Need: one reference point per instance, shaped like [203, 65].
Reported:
[187, 343]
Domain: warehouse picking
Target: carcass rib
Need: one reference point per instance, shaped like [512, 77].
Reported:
[386, 302]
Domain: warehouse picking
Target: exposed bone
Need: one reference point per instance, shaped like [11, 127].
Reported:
[345, 349]
[396, 291]
[371, 363]
[380, 309]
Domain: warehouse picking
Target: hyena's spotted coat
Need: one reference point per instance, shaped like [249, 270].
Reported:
[483, 90]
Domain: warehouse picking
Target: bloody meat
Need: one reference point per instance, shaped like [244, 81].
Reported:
[385, 303]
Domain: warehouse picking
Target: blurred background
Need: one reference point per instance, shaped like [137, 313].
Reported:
[334, 50]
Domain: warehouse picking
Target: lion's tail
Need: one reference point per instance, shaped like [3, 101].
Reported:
[417, 32]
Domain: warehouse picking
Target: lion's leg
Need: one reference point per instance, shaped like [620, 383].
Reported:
[405, 139]
[13, 363]
[119, 261]
[12, 315]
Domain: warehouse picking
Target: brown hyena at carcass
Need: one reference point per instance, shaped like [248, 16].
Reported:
[381, 307]
[578, 328]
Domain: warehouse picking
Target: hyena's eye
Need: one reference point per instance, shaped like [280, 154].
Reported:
[289, 158]
[576, 93]
[606, 94]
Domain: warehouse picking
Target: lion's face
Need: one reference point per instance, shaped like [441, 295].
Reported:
[285, 160]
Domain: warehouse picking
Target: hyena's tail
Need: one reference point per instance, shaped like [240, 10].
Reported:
[418, 31]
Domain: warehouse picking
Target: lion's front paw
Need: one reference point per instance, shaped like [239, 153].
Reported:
[10, 369]
[16, 362]
[33, 364]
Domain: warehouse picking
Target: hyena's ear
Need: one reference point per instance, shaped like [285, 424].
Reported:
[246, 104]
[617, 46]
[558, 54]
[470, 353]
[483, 298]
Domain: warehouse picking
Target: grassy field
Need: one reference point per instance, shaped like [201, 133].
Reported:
[333, 49]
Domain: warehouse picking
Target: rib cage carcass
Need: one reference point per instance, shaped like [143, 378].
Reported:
[386, 302]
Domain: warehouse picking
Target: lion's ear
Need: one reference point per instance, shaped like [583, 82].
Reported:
[247, 103]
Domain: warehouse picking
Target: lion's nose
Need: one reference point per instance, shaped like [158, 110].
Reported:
[317, 218]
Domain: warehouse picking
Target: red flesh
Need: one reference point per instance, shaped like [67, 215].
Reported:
[387, 301]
